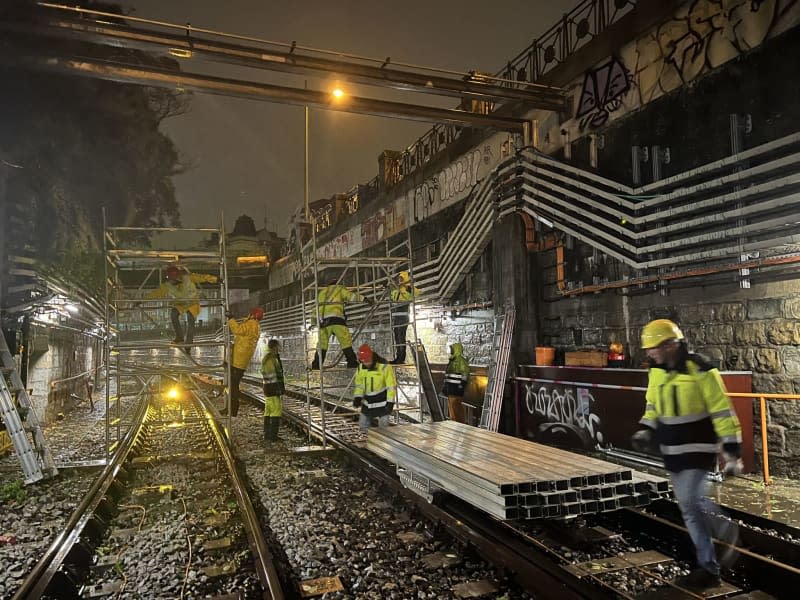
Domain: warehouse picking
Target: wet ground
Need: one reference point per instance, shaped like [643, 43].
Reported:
[779, 501]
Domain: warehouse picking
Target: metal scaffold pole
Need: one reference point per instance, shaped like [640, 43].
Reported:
[157, 286]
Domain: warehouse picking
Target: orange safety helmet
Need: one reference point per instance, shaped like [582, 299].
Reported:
[257, 313]
[365, 353]
[172, 273]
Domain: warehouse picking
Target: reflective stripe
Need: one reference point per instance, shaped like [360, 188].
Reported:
[731, 439]
[376, 392]
[648, 423]
[454, 378]
[682, 419]
[720, 414]
[376, 404]
[687, 448]
[649, 407]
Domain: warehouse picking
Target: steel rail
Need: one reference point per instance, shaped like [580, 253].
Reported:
[543, 97]
[504, 551]
[771, 576]
[49, 578]
[42, 579]
[533, 568]
[265, 565]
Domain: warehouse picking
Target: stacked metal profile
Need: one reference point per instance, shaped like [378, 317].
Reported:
[508, 477]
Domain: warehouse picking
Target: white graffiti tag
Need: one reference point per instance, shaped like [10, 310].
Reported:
[561, 406]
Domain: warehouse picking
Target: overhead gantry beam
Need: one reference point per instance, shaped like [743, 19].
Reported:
[178, 80]
[188, 42]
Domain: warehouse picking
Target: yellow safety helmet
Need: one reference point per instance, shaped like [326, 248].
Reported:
[403, 277]
[659, 331]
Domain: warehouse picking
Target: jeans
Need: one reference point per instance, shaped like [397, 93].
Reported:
[364, 421]
[690, 487]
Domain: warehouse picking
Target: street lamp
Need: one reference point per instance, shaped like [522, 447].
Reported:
[338, 94]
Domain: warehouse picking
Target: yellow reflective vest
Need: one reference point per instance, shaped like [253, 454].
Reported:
[331, 304]
[245, 340]
[691, 414]
[376, 387]
[185, 292]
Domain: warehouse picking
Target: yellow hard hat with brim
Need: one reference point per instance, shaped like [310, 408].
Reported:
[659, 331]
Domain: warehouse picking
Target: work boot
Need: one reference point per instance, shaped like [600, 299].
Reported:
[698, 579]
[352, 361]
[319, 357]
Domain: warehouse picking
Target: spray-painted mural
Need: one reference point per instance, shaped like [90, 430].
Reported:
[602, 93]
[702, 35]
[566, 407]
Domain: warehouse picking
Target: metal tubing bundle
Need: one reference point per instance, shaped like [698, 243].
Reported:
[511, 478]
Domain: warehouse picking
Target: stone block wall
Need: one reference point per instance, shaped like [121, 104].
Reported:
[754, 329]
[68, 354]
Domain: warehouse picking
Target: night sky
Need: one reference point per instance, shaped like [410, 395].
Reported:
[246, 157]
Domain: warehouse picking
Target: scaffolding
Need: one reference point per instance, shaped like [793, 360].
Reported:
[138, 316]
[369, 321]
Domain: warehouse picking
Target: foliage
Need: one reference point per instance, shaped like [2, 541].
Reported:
[12, 491]
[79, 147]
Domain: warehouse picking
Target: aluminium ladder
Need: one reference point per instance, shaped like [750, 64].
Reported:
[497, 368]
[36, 460]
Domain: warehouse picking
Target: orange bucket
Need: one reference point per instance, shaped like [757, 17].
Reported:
[545, 356]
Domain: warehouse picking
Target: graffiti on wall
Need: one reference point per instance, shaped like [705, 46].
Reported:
[602, 93]
[702, 35]
[566, 406]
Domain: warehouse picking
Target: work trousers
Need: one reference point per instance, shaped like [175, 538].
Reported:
[273, 410]
[341, 332]
[455, 405]
[399, 329]
[364, 421]
[236, 380]
[691, 487]
[175, 316]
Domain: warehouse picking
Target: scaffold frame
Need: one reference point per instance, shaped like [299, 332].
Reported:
[132, 264]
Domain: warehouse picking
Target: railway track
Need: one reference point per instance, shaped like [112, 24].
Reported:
[630, 553]
[170, 516]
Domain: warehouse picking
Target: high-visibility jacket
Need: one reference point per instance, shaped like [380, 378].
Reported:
[457, 372]
[691, 414]
[185, 292]
[376, 387]
[401, 297]
[272, 372]
[245, 340]
[331, 304]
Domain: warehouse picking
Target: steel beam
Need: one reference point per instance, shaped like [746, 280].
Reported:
[152, 76]
[295, 62]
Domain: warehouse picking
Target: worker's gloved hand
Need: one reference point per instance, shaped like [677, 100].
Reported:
[356, 402]
[642, 440]
[732, 459]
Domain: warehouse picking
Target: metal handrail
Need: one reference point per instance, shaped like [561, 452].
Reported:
[762, 398]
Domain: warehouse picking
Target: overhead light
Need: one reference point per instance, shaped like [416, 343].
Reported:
[72, 308]
[337, 93]
[251, 260]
